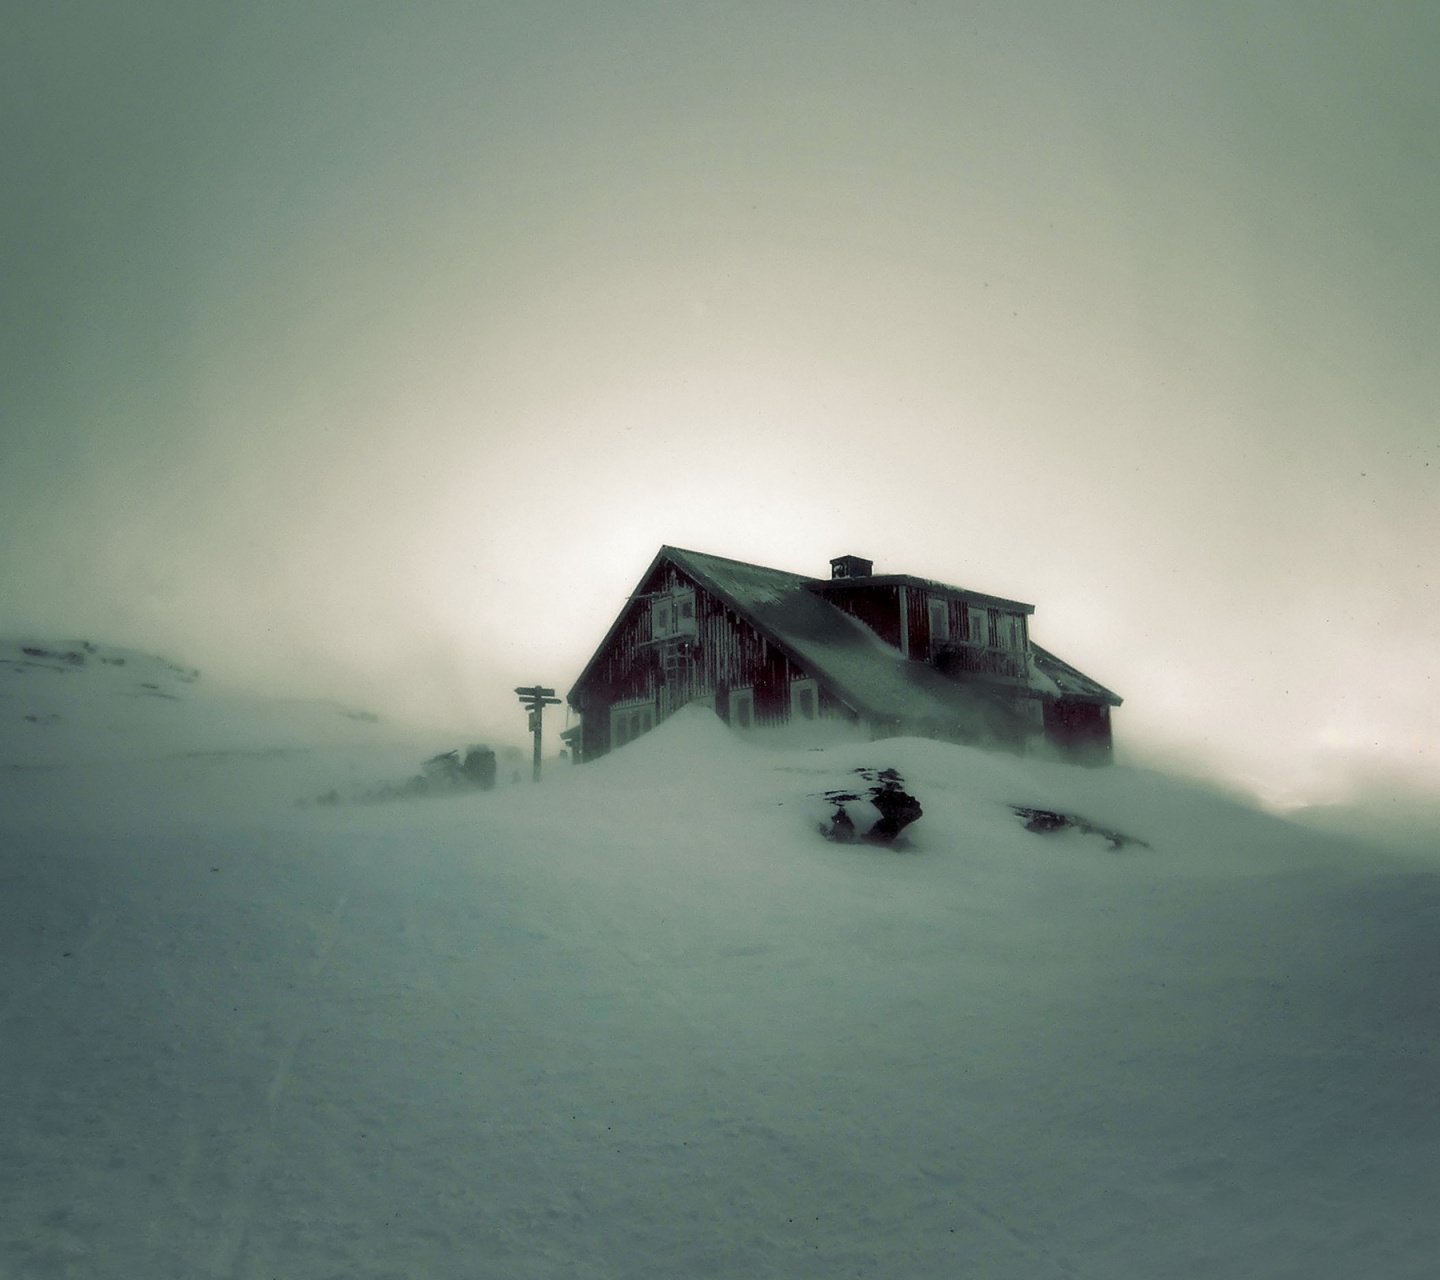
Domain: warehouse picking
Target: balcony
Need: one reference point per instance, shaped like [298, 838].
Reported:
[961, 660]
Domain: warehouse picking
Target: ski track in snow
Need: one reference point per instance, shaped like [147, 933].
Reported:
[238, 1214]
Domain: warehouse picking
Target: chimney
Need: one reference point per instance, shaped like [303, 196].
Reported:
[850, 567]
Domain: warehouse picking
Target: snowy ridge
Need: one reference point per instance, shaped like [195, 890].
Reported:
[142, 737]
[64, 703]
[641, 1021]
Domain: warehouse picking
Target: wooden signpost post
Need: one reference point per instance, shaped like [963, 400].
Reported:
[536, 698]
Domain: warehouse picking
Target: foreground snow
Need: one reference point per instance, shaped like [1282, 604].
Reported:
[641, 1021]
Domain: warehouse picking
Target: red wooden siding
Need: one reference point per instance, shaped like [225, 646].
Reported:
[726, 653]
[961, 653]
[917, 621]
[1081, 729]
[875, 606]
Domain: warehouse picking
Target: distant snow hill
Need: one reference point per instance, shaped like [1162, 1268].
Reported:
[642, 1020]
[141, 674]
[96, 718]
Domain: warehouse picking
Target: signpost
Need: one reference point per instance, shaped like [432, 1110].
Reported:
[535, 699]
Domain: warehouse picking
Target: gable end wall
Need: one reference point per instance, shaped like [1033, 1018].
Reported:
[726, 653]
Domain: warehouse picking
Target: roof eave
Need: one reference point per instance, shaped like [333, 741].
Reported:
[1101, 694]
[614, 627]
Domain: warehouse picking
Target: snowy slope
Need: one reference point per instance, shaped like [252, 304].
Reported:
[143, 737]
[641, 1021]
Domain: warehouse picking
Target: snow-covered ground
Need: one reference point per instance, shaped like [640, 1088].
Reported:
[641, 1021]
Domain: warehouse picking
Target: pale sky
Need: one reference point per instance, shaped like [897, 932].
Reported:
[373, 349]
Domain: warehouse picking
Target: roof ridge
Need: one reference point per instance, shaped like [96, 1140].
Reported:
[744, 564]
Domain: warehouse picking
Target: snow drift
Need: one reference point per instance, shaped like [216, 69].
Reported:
[641, 1020]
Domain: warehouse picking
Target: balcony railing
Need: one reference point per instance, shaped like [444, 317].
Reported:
[973, 659]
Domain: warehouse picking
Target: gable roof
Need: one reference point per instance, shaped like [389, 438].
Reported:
[871, 677]
[1069, 682]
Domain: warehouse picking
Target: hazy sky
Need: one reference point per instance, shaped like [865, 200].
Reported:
[377, 347]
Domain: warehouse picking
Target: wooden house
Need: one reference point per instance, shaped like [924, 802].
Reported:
[895, 653]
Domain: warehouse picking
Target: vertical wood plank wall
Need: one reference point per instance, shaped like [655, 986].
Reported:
[878, 607]
[726, 653]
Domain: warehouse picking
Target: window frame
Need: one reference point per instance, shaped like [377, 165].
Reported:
[737, 698]
[978, 626]
[799, 687]
[939, 608]
[622, 713]
[668, 617]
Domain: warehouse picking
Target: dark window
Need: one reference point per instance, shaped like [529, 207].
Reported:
[742, 708]
[804, 699]
[939, 622]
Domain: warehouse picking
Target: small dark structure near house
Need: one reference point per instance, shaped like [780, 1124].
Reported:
[476, 768]
[896, 653]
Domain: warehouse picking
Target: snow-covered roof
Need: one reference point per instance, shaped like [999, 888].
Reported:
[1069, 682]
[872, 677]
[869, 675]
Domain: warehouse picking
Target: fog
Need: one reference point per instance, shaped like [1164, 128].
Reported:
[372, 352]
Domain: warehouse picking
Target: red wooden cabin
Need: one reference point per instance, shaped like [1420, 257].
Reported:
[896, 653]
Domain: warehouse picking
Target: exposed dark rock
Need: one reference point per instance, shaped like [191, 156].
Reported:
[1041, 820]
[1047, 821]
[876, 813]
[440, 775]
[444, 768]
[148, 690]
[478, 767]
[73, 656]
[840, 826]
